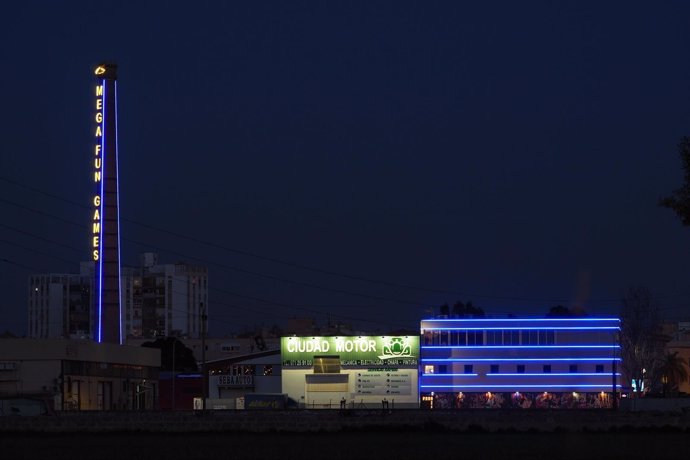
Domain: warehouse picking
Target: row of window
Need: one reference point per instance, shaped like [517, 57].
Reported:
[496, 369]
[490, 337]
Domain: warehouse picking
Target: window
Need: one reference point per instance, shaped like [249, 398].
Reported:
[468, 368]
[494, 337]
[429, 369]
[573, 368]
[547, 368]
[600, 368]
[475, 338]
[520, 368]
[511, 337]
[455, 338]
[462, 338]
[494, 368]
[326, 364]
[530, 337]
[442, 369]
[268, 369]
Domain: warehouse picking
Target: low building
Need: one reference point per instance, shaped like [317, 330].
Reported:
[218, 349]
[361, 372]
[79, 374]
[235, 378]
[521, 363]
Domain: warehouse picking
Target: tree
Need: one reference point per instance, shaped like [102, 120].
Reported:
[559, 311]
[642, 343]
[184, 357]
[467, 310]
[673, 372]
[679, 200]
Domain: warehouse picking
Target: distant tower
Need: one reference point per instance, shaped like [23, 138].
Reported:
[105, 237]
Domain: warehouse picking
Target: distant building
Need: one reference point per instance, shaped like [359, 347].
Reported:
[79, 374]
[519, 363]
[240, 376]
[60, 305]
[166, 299]
[157, 300]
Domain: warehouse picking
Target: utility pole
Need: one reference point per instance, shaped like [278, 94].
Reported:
[174, 374]
[204, 375]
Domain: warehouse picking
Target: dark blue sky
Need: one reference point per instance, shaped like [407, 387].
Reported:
[510, 153]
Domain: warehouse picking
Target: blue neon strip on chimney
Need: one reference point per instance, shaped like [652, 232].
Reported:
[117, 183]
[102, 220]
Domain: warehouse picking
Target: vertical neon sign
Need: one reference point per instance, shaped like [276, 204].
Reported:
[97, 227]
[105, 231]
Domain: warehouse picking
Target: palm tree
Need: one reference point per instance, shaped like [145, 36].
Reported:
[673, 371]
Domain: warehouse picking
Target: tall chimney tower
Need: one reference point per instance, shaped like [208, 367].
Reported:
[105, 236]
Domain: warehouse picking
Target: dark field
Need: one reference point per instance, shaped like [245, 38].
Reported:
[351, 446]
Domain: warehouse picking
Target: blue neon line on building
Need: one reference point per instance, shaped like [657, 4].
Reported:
[550, 374]
[552, 328]
[466, 347]
[431, 360]
[453, 375]
[523, 319]
[117, 184]
[488, 387]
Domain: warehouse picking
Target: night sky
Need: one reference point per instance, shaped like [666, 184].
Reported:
[381, 158]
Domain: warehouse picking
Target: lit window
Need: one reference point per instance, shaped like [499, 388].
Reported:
[429, 369]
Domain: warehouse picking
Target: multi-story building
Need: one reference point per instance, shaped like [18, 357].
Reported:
[60, 304]
[167, 299]
[546, 362]
[157, 300]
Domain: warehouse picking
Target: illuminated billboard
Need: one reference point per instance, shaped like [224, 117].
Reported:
[364, 351]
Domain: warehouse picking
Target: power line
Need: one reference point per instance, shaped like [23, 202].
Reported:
[228, 267]
[303, 266]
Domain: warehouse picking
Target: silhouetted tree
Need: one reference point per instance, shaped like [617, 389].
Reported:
[673, 372]
[184, 357]
[642, 343]
[679, 200]
[467, 310]
[559, 311]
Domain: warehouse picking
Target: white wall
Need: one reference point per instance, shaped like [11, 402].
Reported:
[294, 384]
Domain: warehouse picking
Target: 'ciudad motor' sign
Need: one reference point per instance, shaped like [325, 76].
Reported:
[352, 351]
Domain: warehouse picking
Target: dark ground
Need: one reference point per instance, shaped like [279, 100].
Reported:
[352, 446]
